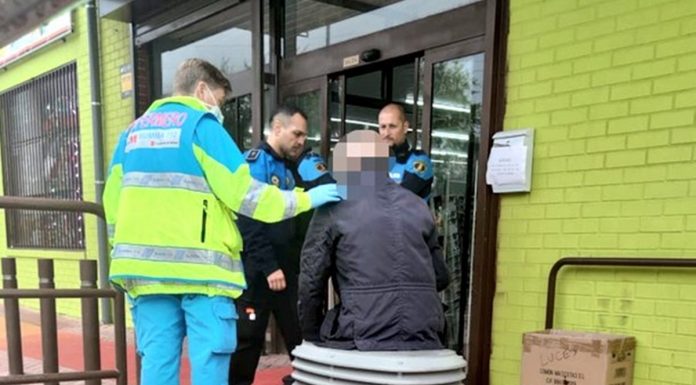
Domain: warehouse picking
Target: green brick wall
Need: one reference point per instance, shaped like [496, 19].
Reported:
[117, 113]
[609, 86]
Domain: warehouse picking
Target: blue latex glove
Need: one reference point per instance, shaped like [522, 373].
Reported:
[323, 194]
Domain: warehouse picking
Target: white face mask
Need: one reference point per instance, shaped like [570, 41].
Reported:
[214, 108]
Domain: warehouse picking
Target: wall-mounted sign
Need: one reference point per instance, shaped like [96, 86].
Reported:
[48, 32]
[126, 71]
[350, 61]
[510, 161]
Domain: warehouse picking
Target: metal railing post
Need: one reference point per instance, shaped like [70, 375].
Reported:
[47, 294]
[90, 319]
[120, 339]
[12, 323]
[49, 327]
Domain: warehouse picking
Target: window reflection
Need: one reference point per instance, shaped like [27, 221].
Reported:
[224, 40]
[310, 104]
[313, 24]
[237, 112]
[456, 124]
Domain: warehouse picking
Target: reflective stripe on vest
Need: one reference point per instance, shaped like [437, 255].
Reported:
[177, 254]
[253, 196]
[131, 283]
[166, 179]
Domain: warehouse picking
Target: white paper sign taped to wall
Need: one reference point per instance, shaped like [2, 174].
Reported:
[509, 167]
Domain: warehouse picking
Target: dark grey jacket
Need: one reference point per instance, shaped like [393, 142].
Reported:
[385, 260]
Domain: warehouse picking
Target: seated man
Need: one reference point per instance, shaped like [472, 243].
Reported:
[380, 247]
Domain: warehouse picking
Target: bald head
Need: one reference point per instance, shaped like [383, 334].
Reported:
[393, 125]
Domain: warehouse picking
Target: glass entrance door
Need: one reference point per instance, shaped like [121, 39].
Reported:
[357, 97]
[441, 92]
[452, 121]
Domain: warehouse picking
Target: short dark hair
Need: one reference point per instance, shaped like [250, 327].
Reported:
[191, 71]
[286, 111]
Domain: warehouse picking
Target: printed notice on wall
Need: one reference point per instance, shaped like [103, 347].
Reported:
[510, 161]
[506, 165]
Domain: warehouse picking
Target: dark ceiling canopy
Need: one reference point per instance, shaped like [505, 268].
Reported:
[18, 17]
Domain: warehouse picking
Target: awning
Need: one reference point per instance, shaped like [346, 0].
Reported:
[18, 17]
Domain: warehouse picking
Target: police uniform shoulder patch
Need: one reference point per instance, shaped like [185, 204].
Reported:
[311, 167]
[420, 164]
[252, 154]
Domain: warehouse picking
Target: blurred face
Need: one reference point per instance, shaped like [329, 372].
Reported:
[359, 163]
[290, 136]
[392, 126]
[353, 155]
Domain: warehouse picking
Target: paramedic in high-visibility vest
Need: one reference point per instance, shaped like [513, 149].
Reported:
[175, 183]
[410, 168]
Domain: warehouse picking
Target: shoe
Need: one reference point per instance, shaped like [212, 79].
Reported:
[288, 380]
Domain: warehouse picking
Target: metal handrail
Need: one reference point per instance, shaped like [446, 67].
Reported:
[58, 377]
[47, 294]
[26, 203]
[589, 261]
[29, 203]
[57, 293]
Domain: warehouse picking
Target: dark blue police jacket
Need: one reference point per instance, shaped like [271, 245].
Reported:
[412, 169]
[269, 247]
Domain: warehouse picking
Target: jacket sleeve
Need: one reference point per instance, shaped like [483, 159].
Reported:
[418, 176]
[228, 176]
[258, 251]
[315, 269]
[112, 188]
[442, 279]
[421, 187]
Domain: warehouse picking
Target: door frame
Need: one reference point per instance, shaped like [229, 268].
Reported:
[431, 58]
[407, 39]
[487, 203]
[479, 27]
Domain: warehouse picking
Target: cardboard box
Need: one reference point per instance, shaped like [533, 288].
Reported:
[560, 357]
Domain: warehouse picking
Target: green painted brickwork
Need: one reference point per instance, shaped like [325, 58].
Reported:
[609, 86]
[117, 113]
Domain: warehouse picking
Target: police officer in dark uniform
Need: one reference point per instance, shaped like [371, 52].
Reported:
[272, 251]
[409, 167]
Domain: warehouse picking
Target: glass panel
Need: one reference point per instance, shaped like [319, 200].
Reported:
[403, 89]
[361, 118]
[310, 103]
[366, 95]
[335, 109]
[457, 87]
[237, 113]
[223, 41]
[314, 24]
[368, 85]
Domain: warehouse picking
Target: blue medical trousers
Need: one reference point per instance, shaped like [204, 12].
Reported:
[162, 321]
